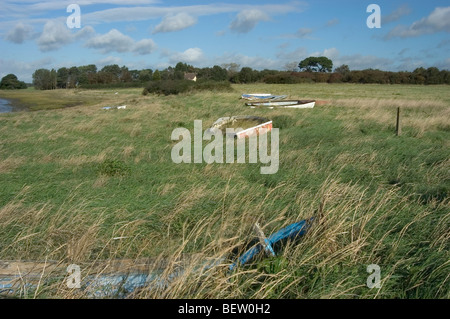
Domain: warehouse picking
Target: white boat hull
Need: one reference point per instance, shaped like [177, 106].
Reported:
[284, 104]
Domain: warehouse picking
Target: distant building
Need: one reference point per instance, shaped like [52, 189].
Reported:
[190, 77]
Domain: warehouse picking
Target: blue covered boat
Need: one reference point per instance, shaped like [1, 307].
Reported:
[121, 284]
[289, 232]
[262, 96]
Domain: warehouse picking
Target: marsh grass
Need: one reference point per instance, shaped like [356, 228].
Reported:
[88, 186]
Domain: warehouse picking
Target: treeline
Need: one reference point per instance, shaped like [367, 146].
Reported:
[343, 74]
[89, 76]
[428, 76]
[86, 76]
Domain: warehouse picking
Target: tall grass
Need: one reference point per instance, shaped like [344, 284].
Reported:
[352, 229]
[98, 188]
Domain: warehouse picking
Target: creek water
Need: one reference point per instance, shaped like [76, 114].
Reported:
[5, 106]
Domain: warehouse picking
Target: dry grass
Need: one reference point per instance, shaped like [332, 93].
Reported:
[374, 103]
[420, 115]
[11, 163]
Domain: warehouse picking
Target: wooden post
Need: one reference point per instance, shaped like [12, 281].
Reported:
[398, 128]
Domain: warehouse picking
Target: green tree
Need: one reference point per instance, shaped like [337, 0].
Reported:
[316, 64]
[87, 74]
[42, 79]
[178, 75]
[114, 72]
[53, 79]
[145, 75]
[218, 73]
[73, 77]
[62, 77]
[104, 77]
[10, 82]
[135, 75]
[343, 69]
[433, 76]
[246, 75]
[156, 76]
[125, 75]
[181, 67]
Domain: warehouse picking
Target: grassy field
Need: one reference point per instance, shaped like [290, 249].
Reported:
[80, 184]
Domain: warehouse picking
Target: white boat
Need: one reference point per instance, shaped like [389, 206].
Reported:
[297, 104]
[262, 96]
[250, 96]
[121, 107]
[243, 126]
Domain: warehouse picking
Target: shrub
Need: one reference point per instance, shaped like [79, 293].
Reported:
[283, 121]
[213, 86]
[168, 87]
[287, 78]
[113, 167]
[118, 85]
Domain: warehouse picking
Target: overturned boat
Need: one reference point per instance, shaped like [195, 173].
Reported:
[296, 104]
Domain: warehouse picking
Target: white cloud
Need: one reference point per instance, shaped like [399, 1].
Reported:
[221, 33]
[332, 22]
[142, 13]
[19, 33]
[396, 15]
[254, 62]
[14, 8]
[437, 21]
[145, 46]
[444, 43]
[116, 41]
[331, 53]
[113, 41]
[362, 62]
[176, 22]
[409, 64]
[246, 20]
[54, 36]
[296, 55]
[303, 33]
[108, 61]
[12, 11]
[444, 65]
[84, 32]
[192, 56]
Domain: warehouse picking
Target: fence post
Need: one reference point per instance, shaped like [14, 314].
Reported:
[398, 127]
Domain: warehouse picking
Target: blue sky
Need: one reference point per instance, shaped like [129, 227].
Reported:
[273, 34]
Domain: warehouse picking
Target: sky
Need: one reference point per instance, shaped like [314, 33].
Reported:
[267, 34]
